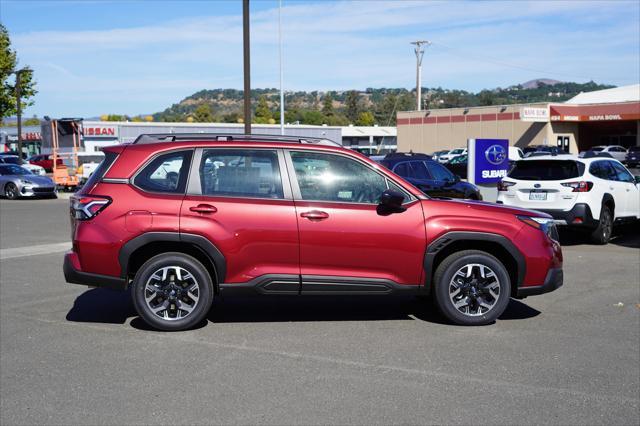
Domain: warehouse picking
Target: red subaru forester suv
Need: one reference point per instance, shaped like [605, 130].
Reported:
[183, 218]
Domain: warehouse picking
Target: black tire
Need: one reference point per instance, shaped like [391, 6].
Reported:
[602, 234]
[443, 281]
[170, 292]
[11, 191]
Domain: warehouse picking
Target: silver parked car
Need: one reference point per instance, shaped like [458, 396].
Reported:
[17, 182]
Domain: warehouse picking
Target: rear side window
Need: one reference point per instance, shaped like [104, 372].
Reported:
[241, 173]
[109, 158]
[546, 170]
[166, 173]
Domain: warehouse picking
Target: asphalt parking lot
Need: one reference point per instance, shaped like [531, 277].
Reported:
[72, 355]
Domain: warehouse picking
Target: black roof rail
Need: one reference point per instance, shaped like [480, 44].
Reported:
[228, 137]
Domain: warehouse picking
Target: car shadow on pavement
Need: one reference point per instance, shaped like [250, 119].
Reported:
[116, 307]
[627, 235]
[102, 305]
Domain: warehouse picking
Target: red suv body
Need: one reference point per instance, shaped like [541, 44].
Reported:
[182, 218]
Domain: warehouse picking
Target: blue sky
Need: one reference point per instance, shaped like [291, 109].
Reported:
[132, 57]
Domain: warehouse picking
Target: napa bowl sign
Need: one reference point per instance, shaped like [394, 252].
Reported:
[488, 160]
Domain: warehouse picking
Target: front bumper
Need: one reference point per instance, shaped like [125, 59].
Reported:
[37, 191]
[579, 215]
[73, 275]
[553, 281]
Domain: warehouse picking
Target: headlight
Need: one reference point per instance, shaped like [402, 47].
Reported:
[26, 182]
[545, 224]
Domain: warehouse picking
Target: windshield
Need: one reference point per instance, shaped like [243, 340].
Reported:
[10, 169]
[456, 151]
[11, 160]
[546, 170]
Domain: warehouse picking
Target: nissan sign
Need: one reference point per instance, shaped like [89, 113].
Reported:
[100, 131]
[488, 160]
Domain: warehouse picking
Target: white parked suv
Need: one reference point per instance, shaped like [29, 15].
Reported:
[445, 158]
[616, 151]
[589, 193]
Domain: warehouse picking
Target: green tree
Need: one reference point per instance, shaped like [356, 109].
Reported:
[263, 113]
[203, 114]
[327, 105]
[352, 104]
[8, 65]
[365, 118]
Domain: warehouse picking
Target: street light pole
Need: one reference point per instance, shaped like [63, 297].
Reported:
[19, 111]
[247, 66]
[419, 51]
[281, 69]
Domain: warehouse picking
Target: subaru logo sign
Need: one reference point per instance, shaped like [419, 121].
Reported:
[487, 160]
[495, 154]
[537, 185]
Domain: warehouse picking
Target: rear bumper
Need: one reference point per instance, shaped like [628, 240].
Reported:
[73, 275]
[553, 281]
[579, 215]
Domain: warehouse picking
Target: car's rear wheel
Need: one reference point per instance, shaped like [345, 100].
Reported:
[602, 234]
[172, 292]
[11, 191]
[472, 288]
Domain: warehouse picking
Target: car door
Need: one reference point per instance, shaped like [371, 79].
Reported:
[345, 244]
[240, 200]
[445, 181]
[616, 187]
[629, 190]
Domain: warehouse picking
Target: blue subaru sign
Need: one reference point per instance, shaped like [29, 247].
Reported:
[488, 160]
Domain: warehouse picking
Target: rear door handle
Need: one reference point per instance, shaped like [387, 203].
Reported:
[315, 215]
[203, 208]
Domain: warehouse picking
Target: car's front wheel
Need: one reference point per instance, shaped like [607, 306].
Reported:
[172, 291]
[472, 287]
[11, 191]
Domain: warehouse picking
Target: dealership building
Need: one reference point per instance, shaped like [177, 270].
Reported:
[604, 117]
[96, 134]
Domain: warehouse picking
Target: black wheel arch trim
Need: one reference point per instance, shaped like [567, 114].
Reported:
[606, 198]
[203, 244]
[444, 240]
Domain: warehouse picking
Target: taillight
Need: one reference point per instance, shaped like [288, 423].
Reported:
[504, 185]
[85, 207]
[581, 186]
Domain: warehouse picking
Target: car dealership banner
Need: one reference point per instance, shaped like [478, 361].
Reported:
[488, 160]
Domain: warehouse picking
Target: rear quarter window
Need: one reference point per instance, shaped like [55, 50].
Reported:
[109, 158]
[547, 170]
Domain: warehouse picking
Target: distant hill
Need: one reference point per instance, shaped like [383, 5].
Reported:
[534, 84]
[371, 106]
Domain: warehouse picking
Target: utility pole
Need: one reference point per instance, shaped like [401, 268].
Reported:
[19, 111]
[281, 72]
[247, 66]
[419, 53]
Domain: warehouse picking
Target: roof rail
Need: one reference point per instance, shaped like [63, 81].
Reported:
[228, 137]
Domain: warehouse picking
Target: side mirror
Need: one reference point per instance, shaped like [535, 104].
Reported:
[637, 179]
[390, 202]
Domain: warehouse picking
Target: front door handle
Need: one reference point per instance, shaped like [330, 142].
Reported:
[203, 208]
[315, 215]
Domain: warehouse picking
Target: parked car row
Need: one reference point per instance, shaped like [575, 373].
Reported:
[14, 159]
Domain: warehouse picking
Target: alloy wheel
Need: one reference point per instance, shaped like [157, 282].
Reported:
[11, 191]
[172, 293]
[474, 289]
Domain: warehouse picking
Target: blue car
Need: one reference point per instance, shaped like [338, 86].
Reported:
[429, 176]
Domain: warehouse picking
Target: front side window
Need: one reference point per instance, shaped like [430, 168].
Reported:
[439, 172]
[240, 173]
[326, 177]
[166, 173]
